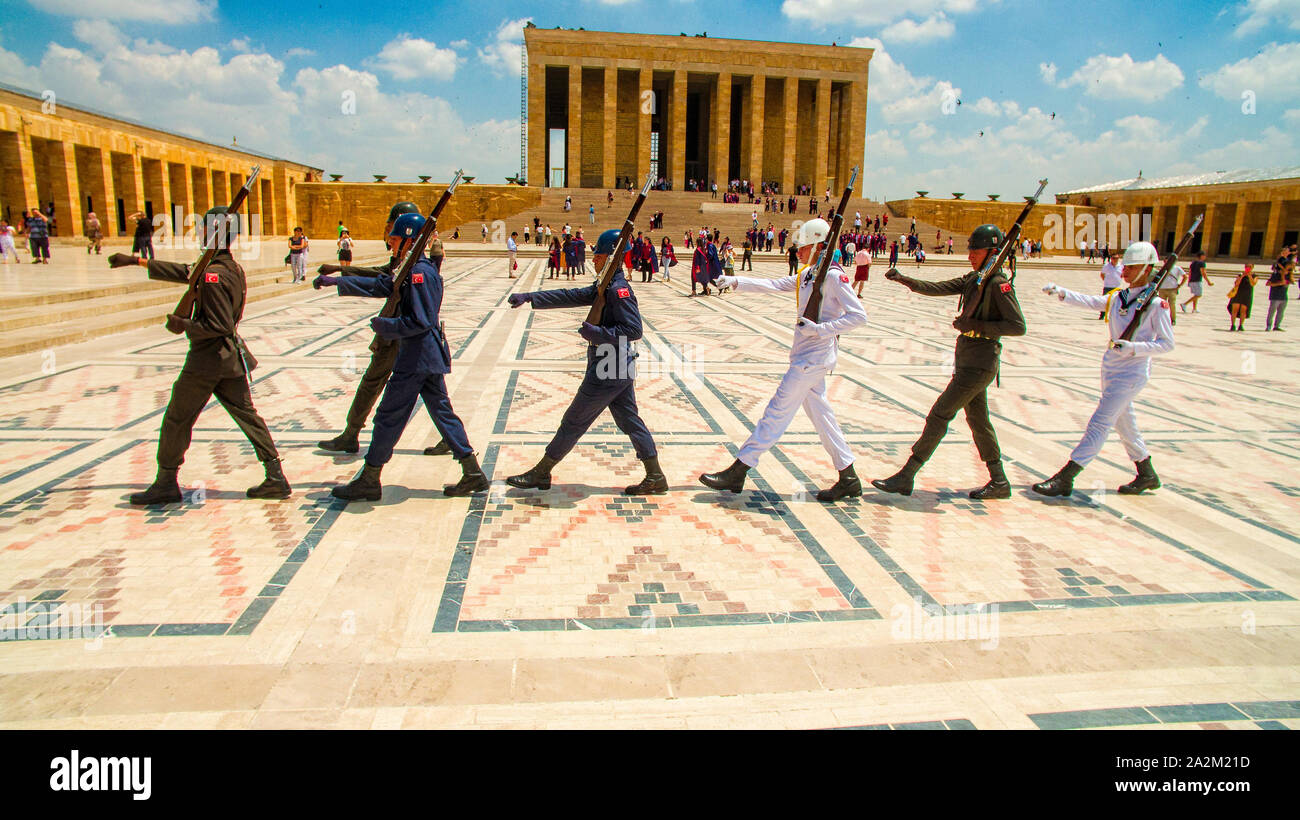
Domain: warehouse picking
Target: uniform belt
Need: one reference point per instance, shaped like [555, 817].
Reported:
[975, 335]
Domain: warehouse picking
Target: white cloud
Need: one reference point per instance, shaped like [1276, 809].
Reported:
[1292, 117]
[300, 52]
[935, 27]
[241, 45]
[922, 131]
[1271, 73]
[1048, 72]
[1123, 78]
[868, 12]
[504, 51]
[900, 96]
[459, 43]
[409, 58]
[170, 12]
[1260, 14]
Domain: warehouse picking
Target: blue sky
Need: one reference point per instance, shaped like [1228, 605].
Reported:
[1167, 89]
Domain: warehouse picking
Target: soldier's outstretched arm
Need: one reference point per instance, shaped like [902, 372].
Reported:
[169, 271]
[753, 284]
[375, 287]
[946, 287]
[563, 297]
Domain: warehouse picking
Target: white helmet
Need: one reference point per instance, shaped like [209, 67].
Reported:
[812, 232]
[1140, 253]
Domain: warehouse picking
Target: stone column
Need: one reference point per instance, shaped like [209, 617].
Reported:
[677, 127]
[857, 145]
[573, 139]
[160, 194]
[182, 192]
[720, 132]
[65, 190]
[610, 142]
[757, 104]
[1209, 241]
[108, 209]
[790, 144]
[1237, 248]
[646, 103]
[821, 136]
[26, 172]
[1273, 231]
[538, 173]
[1180, 212]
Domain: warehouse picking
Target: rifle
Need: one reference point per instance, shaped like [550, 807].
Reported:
[1149, 295]
[812, 310]
[416, 250]
[185, 307]
[995, 262]
[615, 258]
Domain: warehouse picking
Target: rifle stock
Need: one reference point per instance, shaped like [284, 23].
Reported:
[416, 250]
[1147, 298]
[615, 257]
[994, 263]
[812, 311]
[185, 307]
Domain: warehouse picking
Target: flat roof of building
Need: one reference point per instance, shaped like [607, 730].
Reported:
[720, 44]
[1194, 180]
[85, 109]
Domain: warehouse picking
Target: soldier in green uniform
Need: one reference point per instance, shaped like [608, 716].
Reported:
[218, 365]
[978, 349]
[383, 353]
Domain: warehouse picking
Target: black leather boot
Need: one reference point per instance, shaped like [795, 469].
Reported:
[163, 490]
[345, 442]
[442, 448]
[1061, 484]
[1146, 479]
[275, 485]
[472, 479]
[731, 479]
[539, 477]
[365, 487]
[998, 486]
[847, 486]
[654, 483]
[900, 483]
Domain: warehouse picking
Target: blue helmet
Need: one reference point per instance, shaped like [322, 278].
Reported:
[407, 226]
[606, 242]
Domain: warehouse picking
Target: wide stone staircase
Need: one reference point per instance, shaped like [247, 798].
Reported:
[682, 212]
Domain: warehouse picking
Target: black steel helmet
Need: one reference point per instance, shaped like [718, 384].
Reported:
[403, 207]
[220, 218]
[985, 236]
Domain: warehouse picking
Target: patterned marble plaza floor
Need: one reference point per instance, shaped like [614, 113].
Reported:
[578, 607]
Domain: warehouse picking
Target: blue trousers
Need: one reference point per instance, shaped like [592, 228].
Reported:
[395, 410]
[619, 395]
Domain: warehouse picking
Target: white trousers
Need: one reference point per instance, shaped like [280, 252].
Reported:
[801, 386]
[1118, 390]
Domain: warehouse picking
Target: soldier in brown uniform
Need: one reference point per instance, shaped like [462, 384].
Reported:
[977, 359]
[383, 353]
[218, 365]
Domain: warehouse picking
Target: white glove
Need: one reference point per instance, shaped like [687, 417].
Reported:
[1125, 349]
[727, 281]
[1051, 289]
[807, 328]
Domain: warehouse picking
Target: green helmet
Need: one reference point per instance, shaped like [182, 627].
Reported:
[985, 236]
[403, 207]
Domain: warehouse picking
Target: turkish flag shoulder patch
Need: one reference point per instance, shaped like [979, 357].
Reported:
[417, 278]
[844, 277]
[1006, 287]
[211, 276]
[623, 293]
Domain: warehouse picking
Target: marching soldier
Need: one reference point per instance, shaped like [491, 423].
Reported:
[218, 365]
[383, 352]
[812, 357]
[610, 381]
[976, 359]
[1125, 369]
[422, 361]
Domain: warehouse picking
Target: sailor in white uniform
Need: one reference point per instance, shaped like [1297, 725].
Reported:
[1125, 369]
[812, 357]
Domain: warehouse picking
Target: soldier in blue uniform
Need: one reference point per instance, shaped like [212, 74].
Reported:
[610, 380]
[423, 360]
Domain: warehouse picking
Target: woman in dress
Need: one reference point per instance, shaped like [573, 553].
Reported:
[1240, 298]
[862, 270]
[345, 248]
[553, 260]
[700, 268]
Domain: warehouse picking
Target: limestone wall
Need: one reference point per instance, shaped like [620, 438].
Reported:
[961, 216]
[363, 206]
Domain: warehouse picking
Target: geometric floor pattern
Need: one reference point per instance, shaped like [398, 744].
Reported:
[328, 614]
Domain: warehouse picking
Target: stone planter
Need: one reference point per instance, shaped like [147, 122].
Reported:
[958, 195]
[335, 177]
[993, 197]
[426, 179]
[921, 194]
[380, 177]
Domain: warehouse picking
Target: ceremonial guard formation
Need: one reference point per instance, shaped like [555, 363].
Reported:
[1125, 368]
